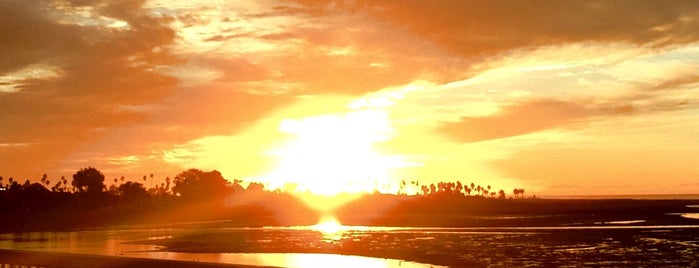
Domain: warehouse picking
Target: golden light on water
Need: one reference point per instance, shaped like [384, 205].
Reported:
[330, 227]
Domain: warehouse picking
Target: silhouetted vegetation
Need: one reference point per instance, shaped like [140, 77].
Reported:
[196, 195]
[193, 195]
[88, 180]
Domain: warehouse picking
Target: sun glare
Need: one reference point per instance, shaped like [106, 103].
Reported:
[332, 154]
[329, 227]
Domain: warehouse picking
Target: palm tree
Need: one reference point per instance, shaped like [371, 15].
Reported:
[57, 187]
[501, 194]
[425, 190]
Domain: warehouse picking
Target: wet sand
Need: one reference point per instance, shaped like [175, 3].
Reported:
[608, 233]
[676, 246]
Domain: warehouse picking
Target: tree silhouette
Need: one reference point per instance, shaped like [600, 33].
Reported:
[425, 190]
[196, 184]
[132, 190]
[501, 194]
[256, 187]
[88, 180]
[518, 192]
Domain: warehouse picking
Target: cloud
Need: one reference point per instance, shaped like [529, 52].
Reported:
[102, 55]
[677, 82]
[515, 120]
[544, 114]
[486, 28]
[308, 52]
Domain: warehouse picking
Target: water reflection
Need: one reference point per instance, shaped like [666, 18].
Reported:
[331, 229]
[666, 245]
[291, 260]
[118, 243]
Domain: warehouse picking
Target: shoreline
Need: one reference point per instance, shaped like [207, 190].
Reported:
[32, 258]
[474, 212]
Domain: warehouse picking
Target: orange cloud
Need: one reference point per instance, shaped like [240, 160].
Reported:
[485, 28]
[104, 56]
[515, 120]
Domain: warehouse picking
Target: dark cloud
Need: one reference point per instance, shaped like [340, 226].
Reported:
[354, 55]
[29, 36]
[101, 70]
[484, 28]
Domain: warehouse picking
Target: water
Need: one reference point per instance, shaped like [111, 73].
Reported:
[603, 245]
[134, 243]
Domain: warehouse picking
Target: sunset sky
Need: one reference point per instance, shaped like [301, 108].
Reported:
[558, 97]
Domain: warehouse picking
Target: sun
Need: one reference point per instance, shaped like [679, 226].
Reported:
[328, 225]
[335, 153]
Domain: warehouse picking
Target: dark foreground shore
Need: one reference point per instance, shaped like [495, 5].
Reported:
[459, 211]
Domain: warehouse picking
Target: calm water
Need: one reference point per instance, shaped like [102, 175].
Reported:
[134, 243]
[610, 246]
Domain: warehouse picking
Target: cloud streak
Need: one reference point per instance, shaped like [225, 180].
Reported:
[485, 28]
[515, 120]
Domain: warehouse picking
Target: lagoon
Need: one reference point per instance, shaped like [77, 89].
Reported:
[603, 245]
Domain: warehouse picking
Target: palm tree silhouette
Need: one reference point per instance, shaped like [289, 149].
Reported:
[501, 194]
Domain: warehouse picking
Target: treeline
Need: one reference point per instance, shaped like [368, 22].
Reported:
[88, 200]
[459, 188]
[191, 196]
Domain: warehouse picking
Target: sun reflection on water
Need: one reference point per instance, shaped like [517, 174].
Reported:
[331, 228]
